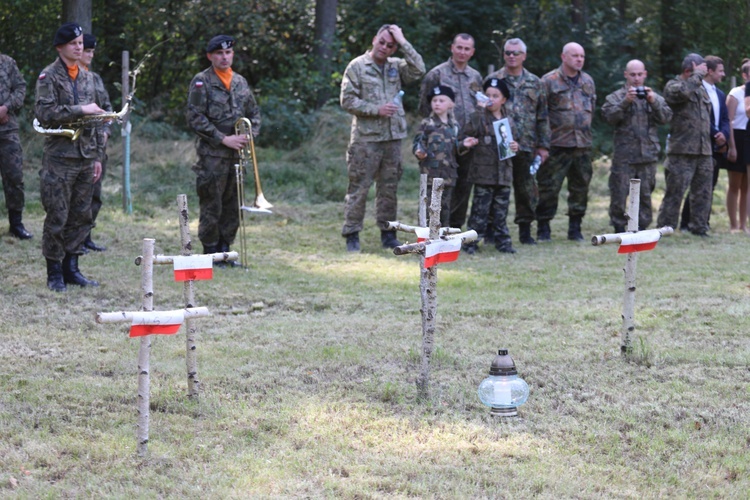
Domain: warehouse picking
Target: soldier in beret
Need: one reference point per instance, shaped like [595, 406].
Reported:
[65, 94]
[217, 98]
[103, 133]
[12, 93]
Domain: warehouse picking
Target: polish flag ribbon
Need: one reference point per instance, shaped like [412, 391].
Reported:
[640, 241]
[193, 267]
[423, 233]
[156, 322]
[441, 251]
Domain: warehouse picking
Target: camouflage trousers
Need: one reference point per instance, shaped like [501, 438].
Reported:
[573, 163]
[216, 185]
[695, 172]
[65, 187]
[525, 190]
[11, 169]
[369, 162]
[461, 192]
[96, 195]
[619, 189]
[490, 202]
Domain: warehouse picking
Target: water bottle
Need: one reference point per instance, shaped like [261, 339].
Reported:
[534, 168]
[399, 98]
[483, 100]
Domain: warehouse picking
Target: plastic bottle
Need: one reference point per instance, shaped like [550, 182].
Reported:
[534, 168]
[483, 100]
[399, 98]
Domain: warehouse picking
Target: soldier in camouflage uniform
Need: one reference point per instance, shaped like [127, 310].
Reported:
[635, 117]
[103, 133]
[65, 94]
[465, 81]
[571, 99]
[527, 107]
[491, 176]
[370, 83]
[689, 155]
[12, 93]
[217, 98]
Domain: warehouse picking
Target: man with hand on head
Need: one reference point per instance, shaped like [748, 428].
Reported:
[370, 84]
[64, 95]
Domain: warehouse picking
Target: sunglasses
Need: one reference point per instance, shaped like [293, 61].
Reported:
[513, 52]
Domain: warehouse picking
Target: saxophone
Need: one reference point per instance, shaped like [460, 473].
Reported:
[73, 129]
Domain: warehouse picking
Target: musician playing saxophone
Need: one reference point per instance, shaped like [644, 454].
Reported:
[64, 94]
[217, 98]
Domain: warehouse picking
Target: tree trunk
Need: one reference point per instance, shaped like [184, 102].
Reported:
[77, 11]
[325, 31]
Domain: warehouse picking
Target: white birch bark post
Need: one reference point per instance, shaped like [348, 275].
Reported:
[144, 353]
[628, 302]
[422, 200]
[191, 362]
[428, 291]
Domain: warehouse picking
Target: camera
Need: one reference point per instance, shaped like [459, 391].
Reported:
[640, 92]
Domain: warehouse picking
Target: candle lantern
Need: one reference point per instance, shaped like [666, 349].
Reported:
[503, 391]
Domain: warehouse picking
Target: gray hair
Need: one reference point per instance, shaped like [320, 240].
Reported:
[516, 41]
[687, 63]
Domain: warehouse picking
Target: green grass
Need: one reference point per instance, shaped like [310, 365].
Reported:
[308, 364]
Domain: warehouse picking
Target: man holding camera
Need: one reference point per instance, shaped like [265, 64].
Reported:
[634, 111]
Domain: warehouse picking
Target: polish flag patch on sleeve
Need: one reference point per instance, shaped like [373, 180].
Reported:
[156, 323]
[641, 241]
[43, 76]
[198, 84]
[193, 267]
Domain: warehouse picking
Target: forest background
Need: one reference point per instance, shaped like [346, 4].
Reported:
[293, 52]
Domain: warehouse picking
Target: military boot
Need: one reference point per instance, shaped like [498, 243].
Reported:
[209, 249]
[388, 239]
[16, 226]
[574, 228]
[224, 247]
[89, 244]
[524, 234]
[352, 242]
[55, 280]
[72, 275]
[543, 232]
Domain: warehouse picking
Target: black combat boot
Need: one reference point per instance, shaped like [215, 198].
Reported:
[16, 226]
[209, 249]
[504, 246]
[224, 247]
[89, 244]
[72, 275]
[619, 228]
[524, 234]
[543, 232]
[352, 242]
[55, 276]
[574, 228]
[388, 239]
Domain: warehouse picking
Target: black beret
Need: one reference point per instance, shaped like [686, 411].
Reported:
[499, 84]
[66, 33]
[220, 42]
[89, 41]
[443, 90]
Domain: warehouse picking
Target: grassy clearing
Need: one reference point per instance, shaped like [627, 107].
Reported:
[308, 364]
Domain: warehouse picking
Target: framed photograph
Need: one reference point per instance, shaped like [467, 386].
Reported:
[504, 137]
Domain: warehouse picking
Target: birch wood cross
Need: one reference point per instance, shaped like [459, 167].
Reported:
[428, 274]
[631, 242]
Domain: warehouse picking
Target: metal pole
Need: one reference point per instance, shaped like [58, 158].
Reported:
[127, 205]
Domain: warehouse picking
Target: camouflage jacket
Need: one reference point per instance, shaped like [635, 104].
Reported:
[58, 104]
[636, 139]
[438, 140]
[12, 91]
[465, 84]
[486, 167]
[365, 87]
[691, 124]
[213, 110]
[527, 107]
[571, 107]
[102, 99]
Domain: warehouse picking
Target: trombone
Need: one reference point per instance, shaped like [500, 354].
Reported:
[244, 128]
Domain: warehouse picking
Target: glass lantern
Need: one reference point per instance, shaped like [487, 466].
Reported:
[503, 391]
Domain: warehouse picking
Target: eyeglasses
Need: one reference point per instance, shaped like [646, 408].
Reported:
[513, 52]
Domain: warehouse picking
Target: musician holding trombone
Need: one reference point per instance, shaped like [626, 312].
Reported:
[217, 98]
[66, 95]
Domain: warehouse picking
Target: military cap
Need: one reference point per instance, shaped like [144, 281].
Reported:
[89, 41]
[443, 90]
[66, 33]
[220, 42]
[499, 84]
